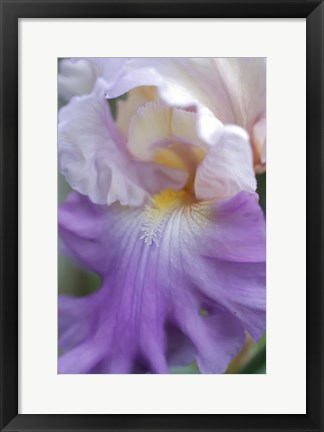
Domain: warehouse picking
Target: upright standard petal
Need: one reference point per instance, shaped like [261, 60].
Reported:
[126, 109]
[232, 90]
[227, 168]
[94, 159]
[160, 268]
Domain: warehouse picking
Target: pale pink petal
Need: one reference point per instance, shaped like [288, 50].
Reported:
[227, 168]
[95, 161]
[231, 89]
[259, 145]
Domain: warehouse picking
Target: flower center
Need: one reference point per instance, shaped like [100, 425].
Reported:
[167, 136]
[170, 204]
[184, 157]
[159, 211]
[170, 199]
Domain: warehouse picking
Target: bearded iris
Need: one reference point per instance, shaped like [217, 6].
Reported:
[164, 209]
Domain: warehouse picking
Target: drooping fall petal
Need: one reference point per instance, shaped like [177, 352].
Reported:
[193, 263]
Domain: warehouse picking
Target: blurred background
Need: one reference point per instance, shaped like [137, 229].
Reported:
[73, 280]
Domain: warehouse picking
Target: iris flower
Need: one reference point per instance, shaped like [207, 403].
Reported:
[164, 210]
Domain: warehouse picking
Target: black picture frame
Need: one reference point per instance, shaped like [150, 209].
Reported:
[11, 11]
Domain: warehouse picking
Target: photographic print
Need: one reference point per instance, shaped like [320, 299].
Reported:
[161, 215]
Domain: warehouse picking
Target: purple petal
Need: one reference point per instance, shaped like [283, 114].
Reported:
[204, 258]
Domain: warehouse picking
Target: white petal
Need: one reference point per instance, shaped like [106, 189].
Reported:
[94, 159]
[75, 78]
[109, 68]
[228, 166]
[232, 89]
